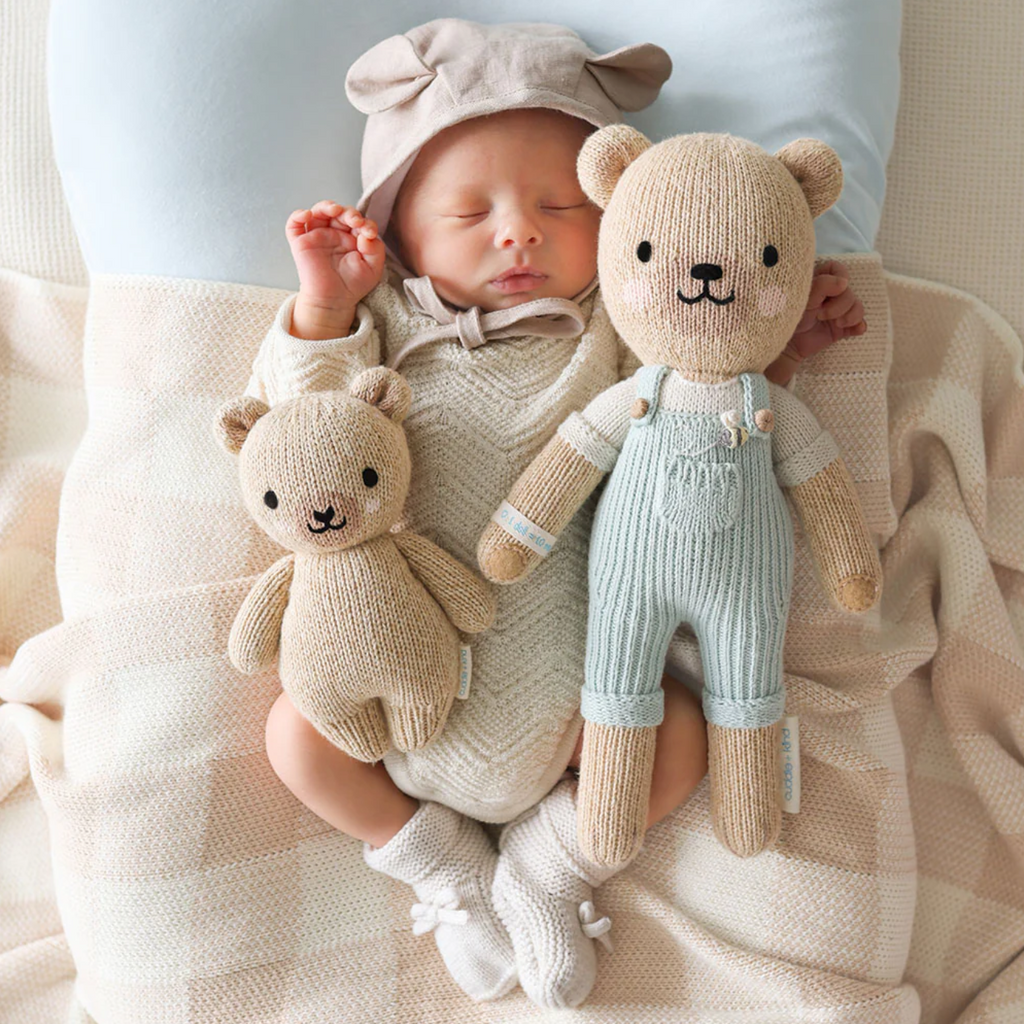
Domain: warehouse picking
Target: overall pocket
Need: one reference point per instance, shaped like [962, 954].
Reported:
[699, 497]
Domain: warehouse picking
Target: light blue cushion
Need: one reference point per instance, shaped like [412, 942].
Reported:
[187, 132]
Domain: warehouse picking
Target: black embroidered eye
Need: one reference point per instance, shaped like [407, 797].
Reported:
[270, 499]
[770, 256]
[370, 477]
[643, 252]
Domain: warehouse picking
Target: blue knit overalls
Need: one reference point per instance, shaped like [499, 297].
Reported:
[692, 527]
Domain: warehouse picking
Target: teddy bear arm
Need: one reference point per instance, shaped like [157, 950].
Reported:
[841, 544]
[462, 595]
[256, 632]
[549, 493]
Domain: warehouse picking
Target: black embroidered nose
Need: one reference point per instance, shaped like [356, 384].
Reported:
[324, 517]
[706, 272]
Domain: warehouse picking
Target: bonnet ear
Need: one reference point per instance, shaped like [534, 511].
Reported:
[817, 169]
[632, 76]
[236, 419]
[603, 158]
[384, 389]
[388, 74]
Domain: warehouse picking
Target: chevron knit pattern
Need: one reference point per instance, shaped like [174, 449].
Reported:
[477, 419]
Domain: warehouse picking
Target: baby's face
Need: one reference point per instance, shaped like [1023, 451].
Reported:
[492, 212]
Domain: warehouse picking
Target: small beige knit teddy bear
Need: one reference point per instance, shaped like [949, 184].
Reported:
[364, 617]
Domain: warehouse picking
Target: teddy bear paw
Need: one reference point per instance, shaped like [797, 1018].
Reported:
[858, 593]
[505, 564]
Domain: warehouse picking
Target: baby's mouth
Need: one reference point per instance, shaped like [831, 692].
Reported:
[519, 279]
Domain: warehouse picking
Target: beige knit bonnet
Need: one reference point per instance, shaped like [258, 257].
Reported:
[415, 85]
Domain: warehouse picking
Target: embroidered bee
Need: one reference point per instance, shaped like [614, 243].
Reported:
[735, 434]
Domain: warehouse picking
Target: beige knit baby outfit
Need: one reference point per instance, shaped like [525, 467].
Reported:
[479, 415]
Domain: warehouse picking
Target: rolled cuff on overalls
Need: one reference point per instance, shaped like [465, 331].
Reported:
[635, 710]
[753, 713]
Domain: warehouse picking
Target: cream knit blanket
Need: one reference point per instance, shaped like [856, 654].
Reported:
[193, 888]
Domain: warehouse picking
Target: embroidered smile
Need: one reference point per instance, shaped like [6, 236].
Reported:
[325, 518]
[706, 294]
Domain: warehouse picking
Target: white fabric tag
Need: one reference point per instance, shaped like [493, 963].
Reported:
[465, 671]
[513, 522]
[789, 758]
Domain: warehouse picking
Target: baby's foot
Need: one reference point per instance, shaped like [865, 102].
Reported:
[450, 862]
[543, 892]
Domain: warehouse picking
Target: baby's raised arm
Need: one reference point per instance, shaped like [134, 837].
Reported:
[339, 259]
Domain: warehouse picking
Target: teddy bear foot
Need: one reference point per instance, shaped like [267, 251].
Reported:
[415, 725]
[743, 766]
[363, 735]
[614, 792]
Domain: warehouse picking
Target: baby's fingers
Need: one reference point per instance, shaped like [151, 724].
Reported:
[840, 306]
[824, 286]
[328, 208]
[371, 248]
[297, 221]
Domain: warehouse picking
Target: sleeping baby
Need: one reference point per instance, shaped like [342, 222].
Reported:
[469, 265]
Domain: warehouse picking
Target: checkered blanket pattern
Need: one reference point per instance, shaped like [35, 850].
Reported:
[194, 888]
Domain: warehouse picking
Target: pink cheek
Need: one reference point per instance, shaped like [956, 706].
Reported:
[771, 301]
[372, 505]
[637, 292]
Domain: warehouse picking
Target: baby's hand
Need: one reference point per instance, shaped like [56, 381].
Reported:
[833, 312]
[339, 258]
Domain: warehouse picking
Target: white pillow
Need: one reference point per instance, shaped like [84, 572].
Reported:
[186, 133]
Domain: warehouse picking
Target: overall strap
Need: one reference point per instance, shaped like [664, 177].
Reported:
[755, 397]
[648, 387]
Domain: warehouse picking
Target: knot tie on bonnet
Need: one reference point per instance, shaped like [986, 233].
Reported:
[548, 318]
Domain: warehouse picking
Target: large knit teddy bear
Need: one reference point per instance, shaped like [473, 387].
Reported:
[364, 617]
[705, 259]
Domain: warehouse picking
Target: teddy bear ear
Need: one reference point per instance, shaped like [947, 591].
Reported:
[384, 389]
[603, 158]
[236, 419]
[817, 169]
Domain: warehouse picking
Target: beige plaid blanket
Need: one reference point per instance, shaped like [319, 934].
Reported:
[192, 887]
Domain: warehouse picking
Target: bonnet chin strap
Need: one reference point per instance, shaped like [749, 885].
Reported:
[549, 318]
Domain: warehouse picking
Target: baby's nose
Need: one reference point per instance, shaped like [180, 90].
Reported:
[519, 229]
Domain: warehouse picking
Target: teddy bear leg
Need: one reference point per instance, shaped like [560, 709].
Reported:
[614, 792]
[743, 765]
[414, 725]
[362, 733]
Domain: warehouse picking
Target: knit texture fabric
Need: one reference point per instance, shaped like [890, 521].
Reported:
[544, 894]
[615, 791]
[800, 448]
[477, 419]
[450, 862]
[415, 85]
[690, 529]
[366, 619]
[268, 911]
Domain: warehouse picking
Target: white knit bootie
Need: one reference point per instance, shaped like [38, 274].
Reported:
[543, 892]
[449, 861]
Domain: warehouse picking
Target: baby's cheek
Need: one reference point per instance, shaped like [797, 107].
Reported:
[637, 292]
[771, 301]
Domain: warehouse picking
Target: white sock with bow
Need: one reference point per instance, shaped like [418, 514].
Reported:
[543, 892]
[449, 861]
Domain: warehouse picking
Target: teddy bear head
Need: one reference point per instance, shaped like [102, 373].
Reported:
[706, 249]
[327, 470]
